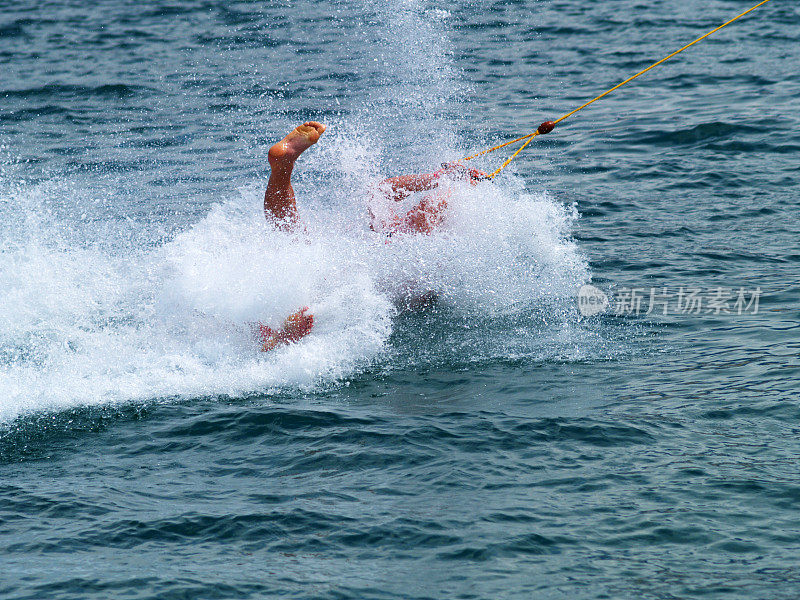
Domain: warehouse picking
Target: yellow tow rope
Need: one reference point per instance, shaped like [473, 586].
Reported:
[548, 126]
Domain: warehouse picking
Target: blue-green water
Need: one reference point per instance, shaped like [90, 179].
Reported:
[497, 445]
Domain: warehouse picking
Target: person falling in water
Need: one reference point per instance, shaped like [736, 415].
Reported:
[280, 209]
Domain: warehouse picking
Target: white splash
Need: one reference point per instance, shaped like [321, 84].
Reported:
[85, 320]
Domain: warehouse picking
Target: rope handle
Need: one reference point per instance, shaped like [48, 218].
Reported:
[548, 126]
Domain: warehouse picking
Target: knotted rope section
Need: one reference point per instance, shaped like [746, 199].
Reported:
[548, 126]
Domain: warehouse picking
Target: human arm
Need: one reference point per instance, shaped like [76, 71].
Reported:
[398, 188]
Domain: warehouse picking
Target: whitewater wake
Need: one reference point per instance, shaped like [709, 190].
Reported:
[97, 310]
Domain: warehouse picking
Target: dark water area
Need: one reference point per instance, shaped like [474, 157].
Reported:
[499, 444]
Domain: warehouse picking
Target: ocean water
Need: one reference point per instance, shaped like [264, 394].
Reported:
[501, 443]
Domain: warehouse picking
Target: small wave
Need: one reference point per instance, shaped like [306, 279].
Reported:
[701, 133]
[15, 29]
[61, 90]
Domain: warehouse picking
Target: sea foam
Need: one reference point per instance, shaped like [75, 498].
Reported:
[98, 309]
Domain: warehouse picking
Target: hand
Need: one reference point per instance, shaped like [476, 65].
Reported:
[456, 168]
[452, 168]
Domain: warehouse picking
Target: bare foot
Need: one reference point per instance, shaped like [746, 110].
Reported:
[296, 326]
[301, 138]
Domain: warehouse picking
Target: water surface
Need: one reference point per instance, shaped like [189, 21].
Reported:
[497, 445]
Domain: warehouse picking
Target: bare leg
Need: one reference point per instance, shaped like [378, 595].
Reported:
[280, 208]
[279, 201]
